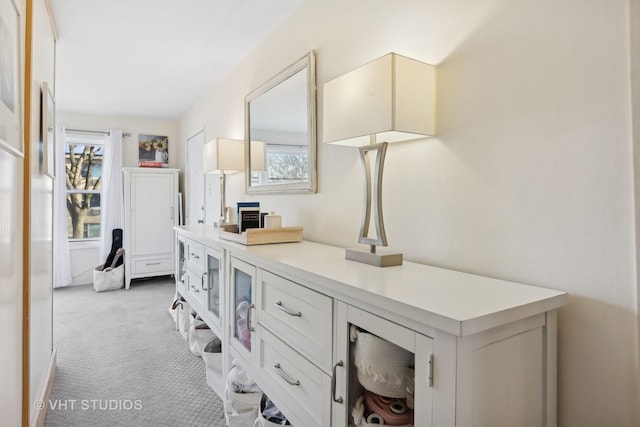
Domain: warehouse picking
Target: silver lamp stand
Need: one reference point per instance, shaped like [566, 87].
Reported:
[373, 196]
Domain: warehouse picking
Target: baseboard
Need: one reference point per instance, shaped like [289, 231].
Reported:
[37, 418]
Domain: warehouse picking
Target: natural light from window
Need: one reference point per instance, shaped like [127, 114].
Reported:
[83, 173]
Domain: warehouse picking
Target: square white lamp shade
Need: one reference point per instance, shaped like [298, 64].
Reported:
[223, 156]
[258, 156]
[392, 97]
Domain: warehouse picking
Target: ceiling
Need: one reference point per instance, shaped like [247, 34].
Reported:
[153, 58]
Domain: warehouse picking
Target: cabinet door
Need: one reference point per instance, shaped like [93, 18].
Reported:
[242, 298]
[152, 213]
[196, 290]
[181, 268]
[196, 275]
[214, 288]
[365, 344]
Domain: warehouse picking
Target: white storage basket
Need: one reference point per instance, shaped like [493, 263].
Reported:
[108, 279]
[212, 357]
[261, 421]
[381, 365]
[245, 419]
[241, 409]
[182, 312]
[199, 336]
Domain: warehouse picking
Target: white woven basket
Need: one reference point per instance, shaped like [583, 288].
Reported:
[261, 421]
[198, 338]
[381, 365]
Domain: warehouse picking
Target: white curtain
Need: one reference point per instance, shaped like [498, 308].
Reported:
[112, 200]
[61, 258]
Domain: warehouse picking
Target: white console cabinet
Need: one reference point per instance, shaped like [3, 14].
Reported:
[150, 213]
[483, 351]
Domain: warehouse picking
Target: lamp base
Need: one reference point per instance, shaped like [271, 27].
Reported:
[377, 259]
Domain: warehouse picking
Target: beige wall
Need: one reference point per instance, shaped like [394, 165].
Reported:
[85, 255]
[530, 177]
[132, 125]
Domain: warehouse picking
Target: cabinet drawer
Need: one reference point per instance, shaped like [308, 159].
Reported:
[152, 264]
[196, 295]
[301, 317]
[195, 255]
[300, 389]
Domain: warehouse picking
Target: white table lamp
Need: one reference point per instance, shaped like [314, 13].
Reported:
[390, 99]
[258, 156]
[223, 156]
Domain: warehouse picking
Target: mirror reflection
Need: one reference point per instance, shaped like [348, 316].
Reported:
[280, 123]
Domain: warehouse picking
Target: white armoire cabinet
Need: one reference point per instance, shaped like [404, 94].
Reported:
[151, 212]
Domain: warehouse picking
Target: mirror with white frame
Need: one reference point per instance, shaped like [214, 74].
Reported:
[280, 132]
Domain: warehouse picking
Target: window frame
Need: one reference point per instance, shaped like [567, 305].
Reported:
[85, 140]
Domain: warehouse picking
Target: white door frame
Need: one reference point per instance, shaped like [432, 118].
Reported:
[190, 218]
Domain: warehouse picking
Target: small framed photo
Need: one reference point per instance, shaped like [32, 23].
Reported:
[153, 151]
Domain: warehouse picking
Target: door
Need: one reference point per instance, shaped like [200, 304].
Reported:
[195, 180]
[242, 326]
[215, 290]
[152, 213]
[363, 371]
[181, 267]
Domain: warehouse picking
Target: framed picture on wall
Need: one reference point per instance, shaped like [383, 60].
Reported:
[47, 131]
[153, 151]
[10, 79]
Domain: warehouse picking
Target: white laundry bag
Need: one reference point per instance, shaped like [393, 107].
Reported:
[108, 279]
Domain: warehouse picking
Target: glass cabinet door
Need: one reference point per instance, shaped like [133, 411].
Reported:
[382, 374]
[214, 286]
[243, 279]
[181, 268]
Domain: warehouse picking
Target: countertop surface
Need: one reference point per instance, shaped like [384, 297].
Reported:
[456, 302]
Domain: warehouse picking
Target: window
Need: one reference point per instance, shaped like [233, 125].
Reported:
[285, 163]
[83, 172]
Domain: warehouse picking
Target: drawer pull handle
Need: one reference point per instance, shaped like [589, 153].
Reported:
[333, 383]
[152, 263]
[284, 375]
[195, 256]
[202, 281]
[286, 310]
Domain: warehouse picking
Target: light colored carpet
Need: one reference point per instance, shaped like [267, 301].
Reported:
[121, 362]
